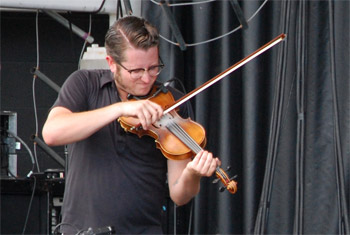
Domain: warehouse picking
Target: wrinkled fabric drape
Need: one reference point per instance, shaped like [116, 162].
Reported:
[281, 122]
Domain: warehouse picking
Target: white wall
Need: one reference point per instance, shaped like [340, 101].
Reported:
[109, 6]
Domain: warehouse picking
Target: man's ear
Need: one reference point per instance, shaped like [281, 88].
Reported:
[111, 63]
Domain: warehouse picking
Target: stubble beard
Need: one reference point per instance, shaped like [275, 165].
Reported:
[119, 83]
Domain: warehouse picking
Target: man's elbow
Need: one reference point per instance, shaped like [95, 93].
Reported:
[48, 137]
[180, 202]
[184, 198]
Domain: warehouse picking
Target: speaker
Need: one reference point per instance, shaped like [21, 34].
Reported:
[28, 213]
[14, 210]
[8, 122]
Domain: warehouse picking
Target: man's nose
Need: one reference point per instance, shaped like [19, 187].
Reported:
[146, 77]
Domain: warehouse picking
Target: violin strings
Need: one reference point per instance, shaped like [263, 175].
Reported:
[218, 170]
[179, 132]
[184, 137]
[190, 141]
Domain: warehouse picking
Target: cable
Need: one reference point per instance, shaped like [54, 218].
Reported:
[60, 224]
[26, 146]
[37, 37]
[212, 39]
[183, 4]
[33, 86]
[48, 150]
[344, 227]
[175, 224]
[30, 205]
[190, 219]
[264, 205]
[257, 11]
[300, 99]
[99, 9]
[203, 42]
[175, 79]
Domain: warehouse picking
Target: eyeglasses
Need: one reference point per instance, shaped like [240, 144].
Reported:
[138, 73]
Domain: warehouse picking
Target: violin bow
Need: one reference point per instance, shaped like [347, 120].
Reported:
[223, 74]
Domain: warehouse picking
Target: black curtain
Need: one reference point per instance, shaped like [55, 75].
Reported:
[281, 121]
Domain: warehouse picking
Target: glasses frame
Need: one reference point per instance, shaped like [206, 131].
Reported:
[161, 66]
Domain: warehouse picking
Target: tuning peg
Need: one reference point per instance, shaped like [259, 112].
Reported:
[215, 180]
[228, 168]
[233, 177]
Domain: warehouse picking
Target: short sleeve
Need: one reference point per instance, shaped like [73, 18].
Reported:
[74, 92]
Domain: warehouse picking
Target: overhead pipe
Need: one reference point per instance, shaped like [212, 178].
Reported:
[62, 5]
[68, 25]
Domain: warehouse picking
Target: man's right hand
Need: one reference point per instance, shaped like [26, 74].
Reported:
[146, 111]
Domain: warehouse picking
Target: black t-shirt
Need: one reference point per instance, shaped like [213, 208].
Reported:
[114, 178]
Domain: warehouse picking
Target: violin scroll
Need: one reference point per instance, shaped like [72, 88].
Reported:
[228, 183]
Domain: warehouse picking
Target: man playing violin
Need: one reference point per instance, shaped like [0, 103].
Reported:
[116, 178]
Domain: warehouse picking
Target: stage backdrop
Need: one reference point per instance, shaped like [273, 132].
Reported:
[281, 121]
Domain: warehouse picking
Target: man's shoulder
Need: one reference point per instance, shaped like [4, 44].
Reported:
[97, 76]
[93, 72]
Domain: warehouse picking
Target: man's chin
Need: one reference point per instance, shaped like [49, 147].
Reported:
[142, 93]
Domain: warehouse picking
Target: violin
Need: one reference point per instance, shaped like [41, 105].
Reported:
[176, 137]
[179, 138]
